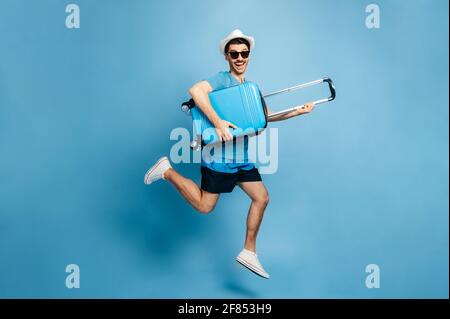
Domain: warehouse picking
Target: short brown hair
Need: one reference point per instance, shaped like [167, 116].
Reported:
[237, 41]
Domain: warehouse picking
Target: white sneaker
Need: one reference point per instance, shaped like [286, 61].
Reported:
[250, 260]
[157, 171]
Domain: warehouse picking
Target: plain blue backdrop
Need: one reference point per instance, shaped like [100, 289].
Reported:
[85, 112]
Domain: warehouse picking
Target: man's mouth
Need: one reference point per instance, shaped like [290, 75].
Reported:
[239, 64]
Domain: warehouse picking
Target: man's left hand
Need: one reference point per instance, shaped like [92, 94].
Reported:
[306, 108]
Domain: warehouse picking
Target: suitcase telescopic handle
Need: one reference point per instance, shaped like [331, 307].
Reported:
[301, 86]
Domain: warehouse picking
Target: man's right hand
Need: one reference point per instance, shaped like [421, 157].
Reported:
[223, 132]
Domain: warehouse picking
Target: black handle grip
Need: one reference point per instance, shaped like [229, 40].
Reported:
[332, 89]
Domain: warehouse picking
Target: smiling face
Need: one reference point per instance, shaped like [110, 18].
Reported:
[238, 65]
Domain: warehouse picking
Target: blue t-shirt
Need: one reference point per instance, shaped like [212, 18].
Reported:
[234, 155]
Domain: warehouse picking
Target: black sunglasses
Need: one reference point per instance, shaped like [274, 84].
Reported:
[234, 54]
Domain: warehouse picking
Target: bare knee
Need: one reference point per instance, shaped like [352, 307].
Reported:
[206, 202]
[205, 208]
[262, 200]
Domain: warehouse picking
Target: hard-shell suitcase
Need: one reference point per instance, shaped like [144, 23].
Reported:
[244, 106]
[241, 105]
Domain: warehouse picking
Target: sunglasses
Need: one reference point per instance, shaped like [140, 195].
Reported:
[234, 54]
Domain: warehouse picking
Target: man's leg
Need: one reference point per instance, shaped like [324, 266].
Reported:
[260, 198]
[200, 199]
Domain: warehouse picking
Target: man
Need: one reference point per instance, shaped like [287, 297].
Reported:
[220, 173]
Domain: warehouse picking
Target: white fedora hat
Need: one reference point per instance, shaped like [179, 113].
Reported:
[234, 35]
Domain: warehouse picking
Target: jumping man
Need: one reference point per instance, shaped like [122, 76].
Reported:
[221, 173]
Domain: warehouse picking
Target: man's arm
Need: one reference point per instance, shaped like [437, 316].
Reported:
[308, 107]
[199, 93]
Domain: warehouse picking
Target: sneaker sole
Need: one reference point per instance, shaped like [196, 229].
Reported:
[250, 267]
[153, 168]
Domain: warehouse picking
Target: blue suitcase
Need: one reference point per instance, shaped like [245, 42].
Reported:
[241, 105]
[244, 106]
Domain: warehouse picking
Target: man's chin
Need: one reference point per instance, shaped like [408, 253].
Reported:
[240, 71]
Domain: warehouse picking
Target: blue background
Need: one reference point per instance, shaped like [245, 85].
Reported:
[85, 112]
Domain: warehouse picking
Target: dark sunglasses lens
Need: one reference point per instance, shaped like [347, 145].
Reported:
[234, 55]
[245, 54]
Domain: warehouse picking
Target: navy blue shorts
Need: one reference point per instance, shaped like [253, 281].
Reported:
[218, 182]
